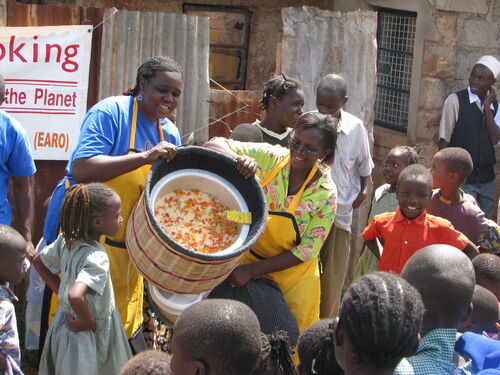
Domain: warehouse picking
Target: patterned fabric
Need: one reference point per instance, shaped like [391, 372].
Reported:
[489, 240]
[352, 161]
[9, 338]
[434, 355]
[316, 209]
[158, 334]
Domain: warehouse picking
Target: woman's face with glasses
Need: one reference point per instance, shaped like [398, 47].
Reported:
[306, 148]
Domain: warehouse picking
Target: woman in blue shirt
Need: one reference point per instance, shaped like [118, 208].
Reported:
[120, 137]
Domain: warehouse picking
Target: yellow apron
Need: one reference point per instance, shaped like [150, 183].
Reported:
[127, 283]
[300, 284]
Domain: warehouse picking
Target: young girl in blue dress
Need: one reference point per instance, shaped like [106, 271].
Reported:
[86, 335]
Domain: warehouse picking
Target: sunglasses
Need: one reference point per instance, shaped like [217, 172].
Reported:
[307, 152]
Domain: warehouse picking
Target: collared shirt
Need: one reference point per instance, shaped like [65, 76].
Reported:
[404, 237]
[9, 338]
[434, 355]
[449, 116]
[352, 161]
[316, 210]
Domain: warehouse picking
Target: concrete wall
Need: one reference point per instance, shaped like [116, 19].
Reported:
[265, 27]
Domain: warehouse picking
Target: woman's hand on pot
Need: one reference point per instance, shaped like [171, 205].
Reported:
[246, 165]
[241, 275]
[163, 150]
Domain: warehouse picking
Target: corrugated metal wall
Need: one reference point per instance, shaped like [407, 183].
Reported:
[231, 108]
[317, 42]
[130, 38]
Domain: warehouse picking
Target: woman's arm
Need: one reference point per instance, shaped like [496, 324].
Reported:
[78, 302]
[246, 165]
[246, 272]
[53, 281]
[103, 167]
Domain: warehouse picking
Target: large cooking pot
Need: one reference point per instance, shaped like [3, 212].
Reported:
[164, 262]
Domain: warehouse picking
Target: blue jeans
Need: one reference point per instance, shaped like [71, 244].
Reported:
[485, 195]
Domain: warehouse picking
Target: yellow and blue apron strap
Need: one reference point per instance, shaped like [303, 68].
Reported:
[273, 172]
[296, 198]
[131, 145]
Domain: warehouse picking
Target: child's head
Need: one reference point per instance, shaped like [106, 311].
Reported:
[89, 211]
[331, 94]
[398, 159]
[216, 337]
[13, 255]
[487, 269]
[247, 133]
[450, 168]
[413, 190]
[444, 276]
[149, 362]
[283, 98]
[379, 323]
[315, 349]
[276, 356]
[484, 314]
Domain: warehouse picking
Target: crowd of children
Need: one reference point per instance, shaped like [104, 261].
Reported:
[425, 299]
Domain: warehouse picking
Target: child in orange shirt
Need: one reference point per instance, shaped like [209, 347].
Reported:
[410, 228]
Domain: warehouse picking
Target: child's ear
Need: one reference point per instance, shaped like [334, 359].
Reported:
[201, 368]
[345, 100]
[95, 223]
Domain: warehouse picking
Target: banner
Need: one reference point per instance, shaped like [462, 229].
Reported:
[46, 71]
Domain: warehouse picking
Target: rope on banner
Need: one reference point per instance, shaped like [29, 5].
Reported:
[107, 18]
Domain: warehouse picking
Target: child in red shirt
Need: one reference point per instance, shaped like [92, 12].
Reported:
[410, 228]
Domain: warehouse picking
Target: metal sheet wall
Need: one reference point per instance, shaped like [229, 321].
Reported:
[317, 42]
[130, 38]
[231, 108]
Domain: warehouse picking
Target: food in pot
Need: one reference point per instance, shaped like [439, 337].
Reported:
[196, 221]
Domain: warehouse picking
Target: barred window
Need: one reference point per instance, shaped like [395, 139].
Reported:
[229, 30]
[395, 38]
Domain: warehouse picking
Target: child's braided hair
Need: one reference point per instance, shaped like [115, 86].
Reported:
[382, 315]
[81, 203]
[276, 87]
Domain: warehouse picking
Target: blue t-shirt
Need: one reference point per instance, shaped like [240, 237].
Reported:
[106, 131]
[15, 160]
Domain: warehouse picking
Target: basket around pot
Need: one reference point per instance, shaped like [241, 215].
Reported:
[163, 261]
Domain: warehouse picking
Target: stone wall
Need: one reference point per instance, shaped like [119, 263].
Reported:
[466, 31]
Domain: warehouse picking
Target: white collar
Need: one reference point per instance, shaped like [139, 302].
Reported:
[474, 98]
[271, 133]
